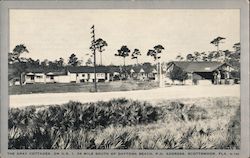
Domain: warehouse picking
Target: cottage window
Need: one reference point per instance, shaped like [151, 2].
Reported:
[51, 77]
[32, 77]
[83, 75]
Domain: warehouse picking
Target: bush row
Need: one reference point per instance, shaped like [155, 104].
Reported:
[44, 128]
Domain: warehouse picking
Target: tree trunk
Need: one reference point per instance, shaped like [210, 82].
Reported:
[123, 61]
[157, 69]
[100, 58]
[21, 82]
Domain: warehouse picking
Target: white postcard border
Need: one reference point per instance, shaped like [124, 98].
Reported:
[243, 5]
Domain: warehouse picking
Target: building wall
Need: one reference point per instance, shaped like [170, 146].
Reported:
[89, 77]
[42, 78]
[62, 79]
[143, 76]
[50, 79]
[37, 78]
[28, 79]
[72, 77]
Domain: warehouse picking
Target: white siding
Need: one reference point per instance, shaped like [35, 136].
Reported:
[62, 79]
[72, 77]
[39, 78]
[28, 79]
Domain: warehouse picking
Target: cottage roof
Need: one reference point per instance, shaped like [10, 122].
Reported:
[88, 69]
[36, 71]
[142, 71]
[113, 69]
[30, 73]
[143, 68]
[200, 66]
[56, 73]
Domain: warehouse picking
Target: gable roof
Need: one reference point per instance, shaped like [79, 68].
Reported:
[198, 66]
[88, 69]
[143, 69]
[35, 70]
[55, 72]
[113, 69]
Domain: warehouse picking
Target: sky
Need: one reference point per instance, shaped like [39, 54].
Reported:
[51, 34]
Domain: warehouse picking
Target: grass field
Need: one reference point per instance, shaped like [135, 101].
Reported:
[82, 87]
[200, 123]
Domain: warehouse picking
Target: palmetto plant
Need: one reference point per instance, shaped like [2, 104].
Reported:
[115, 138]
[126, 124]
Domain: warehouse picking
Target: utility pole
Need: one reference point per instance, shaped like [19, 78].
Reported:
[93, 48]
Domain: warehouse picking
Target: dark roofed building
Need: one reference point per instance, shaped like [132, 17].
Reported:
[46, 71]
[198, 66]
[88, 69]
[39, 75]
[86, 74]
[204, 71]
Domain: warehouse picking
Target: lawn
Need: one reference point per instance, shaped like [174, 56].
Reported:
[82, 87]
[201, 123]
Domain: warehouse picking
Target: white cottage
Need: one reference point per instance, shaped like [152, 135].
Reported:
[49, 76]
[86, 74]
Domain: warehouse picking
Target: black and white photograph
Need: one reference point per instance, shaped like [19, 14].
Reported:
[124, 79]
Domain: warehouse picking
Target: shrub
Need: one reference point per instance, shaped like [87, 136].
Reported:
[127, 124]
[178, 111]
[115, 138]
[178, 74]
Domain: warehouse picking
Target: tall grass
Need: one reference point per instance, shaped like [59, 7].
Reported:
[127, 124]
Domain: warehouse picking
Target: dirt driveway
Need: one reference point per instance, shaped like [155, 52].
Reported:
[173, 92]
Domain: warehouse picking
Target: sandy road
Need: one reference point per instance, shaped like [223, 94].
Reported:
[172, 92]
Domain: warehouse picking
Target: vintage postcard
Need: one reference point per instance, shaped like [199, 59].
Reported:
[129, 79]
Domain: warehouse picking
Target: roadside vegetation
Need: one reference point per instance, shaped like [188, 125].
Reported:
[202, 123]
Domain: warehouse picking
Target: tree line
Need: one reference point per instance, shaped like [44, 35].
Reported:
[19, 64]
[73, 60]
[230, 56]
